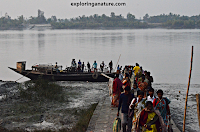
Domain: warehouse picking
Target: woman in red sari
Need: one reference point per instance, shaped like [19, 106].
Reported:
[117, 84]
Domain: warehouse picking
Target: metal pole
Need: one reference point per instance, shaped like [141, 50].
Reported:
[198, 107]
[187, 91]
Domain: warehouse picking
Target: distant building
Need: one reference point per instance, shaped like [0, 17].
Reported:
[40, 13]
[7, 16]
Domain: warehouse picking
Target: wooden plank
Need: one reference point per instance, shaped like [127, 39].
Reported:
[198, 107]
[105, 75]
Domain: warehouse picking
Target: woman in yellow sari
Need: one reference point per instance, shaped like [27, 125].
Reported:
[150, 120]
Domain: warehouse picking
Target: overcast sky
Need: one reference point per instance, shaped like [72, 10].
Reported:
[63, 8]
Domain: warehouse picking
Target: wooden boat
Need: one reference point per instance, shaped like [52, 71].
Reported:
[48, 72]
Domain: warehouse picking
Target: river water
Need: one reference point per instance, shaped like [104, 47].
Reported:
[165, 53]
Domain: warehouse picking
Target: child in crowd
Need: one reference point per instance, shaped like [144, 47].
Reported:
[151, 96]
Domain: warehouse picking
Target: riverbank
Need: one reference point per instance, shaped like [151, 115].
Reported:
[22, 114]
[81, 95]
[150, 26]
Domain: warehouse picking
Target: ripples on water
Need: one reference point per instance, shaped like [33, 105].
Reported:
[166, 53]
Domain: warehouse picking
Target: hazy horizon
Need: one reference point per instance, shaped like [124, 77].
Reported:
[62, 8]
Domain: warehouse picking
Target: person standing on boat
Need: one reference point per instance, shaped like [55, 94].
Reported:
[83, 65]
[102, 66]
[95, 66]
[117, 85]
[73, 65]
[124, 102]
[111, 66]
[79, 65]
[162, 104]
[56, 67]
[88, 66]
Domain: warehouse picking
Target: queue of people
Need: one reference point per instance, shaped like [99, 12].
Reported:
[144, 113]
[80, 66]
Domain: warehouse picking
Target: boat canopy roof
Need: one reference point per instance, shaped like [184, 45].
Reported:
[46, 66]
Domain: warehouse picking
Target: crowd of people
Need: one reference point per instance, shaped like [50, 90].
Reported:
[145, 112]
[80, 66]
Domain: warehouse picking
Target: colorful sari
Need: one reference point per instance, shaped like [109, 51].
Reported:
[163, 106]
[138, 107]
[117, 84]
[153, 126]
[149, 118]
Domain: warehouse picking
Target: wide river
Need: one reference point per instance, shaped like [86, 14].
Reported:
[165, 53]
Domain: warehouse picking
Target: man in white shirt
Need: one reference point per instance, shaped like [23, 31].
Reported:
[151, 96]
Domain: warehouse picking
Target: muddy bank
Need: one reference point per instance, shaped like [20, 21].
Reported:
[33, 115]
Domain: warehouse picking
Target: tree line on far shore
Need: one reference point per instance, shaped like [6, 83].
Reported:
[174, 21]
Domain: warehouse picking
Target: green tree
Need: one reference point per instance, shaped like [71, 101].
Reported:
[146, 17]
[130, 17]
[112, 14]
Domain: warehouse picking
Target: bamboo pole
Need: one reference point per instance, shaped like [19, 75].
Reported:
[187, 91]
[198, 107]
[117, 62]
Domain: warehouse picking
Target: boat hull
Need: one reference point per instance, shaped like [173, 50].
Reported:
[91, 77]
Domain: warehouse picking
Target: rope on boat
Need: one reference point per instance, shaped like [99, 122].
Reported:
[22, 77]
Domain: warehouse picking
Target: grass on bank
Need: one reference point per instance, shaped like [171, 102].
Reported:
[85, 116]
[39, 90]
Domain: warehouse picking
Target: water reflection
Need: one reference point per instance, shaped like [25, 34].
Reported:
[131, 38]
[21, 39]
[41, 41]
[41, 45]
